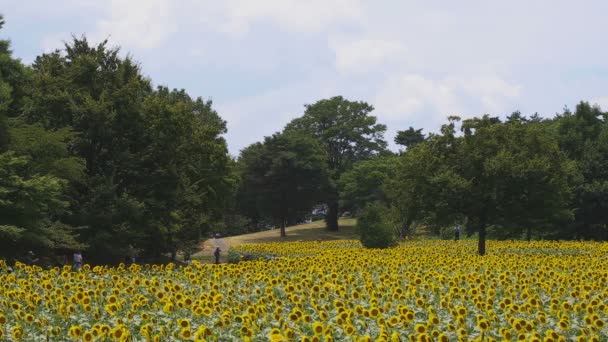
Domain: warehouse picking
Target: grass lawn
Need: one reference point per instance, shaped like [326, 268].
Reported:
[305, 232]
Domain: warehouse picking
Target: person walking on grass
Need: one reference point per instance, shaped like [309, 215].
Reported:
[217, 255]
[457, 233]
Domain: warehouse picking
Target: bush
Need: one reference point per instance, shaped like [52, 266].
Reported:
[235, 256]
[374, 227]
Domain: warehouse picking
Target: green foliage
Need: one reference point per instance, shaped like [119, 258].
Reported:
[29, 208]
[364, 182]
[583, 136]
[511, 175]
[140, 167]
[4, 135]
[374, 227]
[283, 177]
[35, 167]
[13, 80]
[348, 133]
[48, 150]
[410, 137]
[234, 256]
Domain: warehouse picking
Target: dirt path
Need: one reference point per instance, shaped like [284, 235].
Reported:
[221, 243]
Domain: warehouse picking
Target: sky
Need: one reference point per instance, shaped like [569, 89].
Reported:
[416, 62]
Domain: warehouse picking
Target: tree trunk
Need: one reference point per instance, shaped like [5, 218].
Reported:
[482, 235]
[482, 240]
[332, 217]
[405, 228]
[283, 234]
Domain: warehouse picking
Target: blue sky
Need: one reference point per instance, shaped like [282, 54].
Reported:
[416, 62]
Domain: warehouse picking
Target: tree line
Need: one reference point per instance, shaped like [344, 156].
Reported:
[518, 178]
[94, 157]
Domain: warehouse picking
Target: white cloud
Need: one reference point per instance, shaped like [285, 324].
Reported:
[412, 96]
[414, 61]
[54, 41]
[602, 102]
[143, 24]
[294, 15]
[251, 118]
[365, 54]
[147, 24]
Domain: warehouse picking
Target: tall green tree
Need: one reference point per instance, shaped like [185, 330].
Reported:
[187, 160]
[286, 173]
[27, 206]
[33, 196]
[13, 79]
[412, 192]
[583, 136]
[497, 174]
[156, 162]
[99, 94]
[347, 133]
[4, 136]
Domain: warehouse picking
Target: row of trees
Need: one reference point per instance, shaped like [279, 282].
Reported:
[93, 156]
[521, 178]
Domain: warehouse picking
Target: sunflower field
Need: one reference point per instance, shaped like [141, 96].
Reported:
[323, 291]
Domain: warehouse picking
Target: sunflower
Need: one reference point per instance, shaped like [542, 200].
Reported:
[17, 332]
[87, 336]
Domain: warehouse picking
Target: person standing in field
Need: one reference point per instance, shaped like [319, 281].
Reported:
[30, 258]
[77, 261]
[217, 255]
[457, 233]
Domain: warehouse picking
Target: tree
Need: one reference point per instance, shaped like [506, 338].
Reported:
[13, 80]
[13, 77]
[156, 174]
[411, 192]
[186, 159]
[4, 136]
[583, 136]
[286, 173]
[48, 150]
[364, 182]
[30, 206]
[410, 137]
[497, 174]
[348, 133]
[374, 227]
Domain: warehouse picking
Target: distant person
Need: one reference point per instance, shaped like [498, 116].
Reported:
[187, 259]
[217, 255]
[457, 233]
[77, 259]
[30, 258]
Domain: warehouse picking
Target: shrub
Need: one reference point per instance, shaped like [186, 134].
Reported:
[235, 256]
[374, 227]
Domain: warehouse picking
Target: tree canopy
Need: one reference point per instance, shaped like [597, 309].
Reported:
[286, 174]
[497, 174]
[348, 133]
[134, 168]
